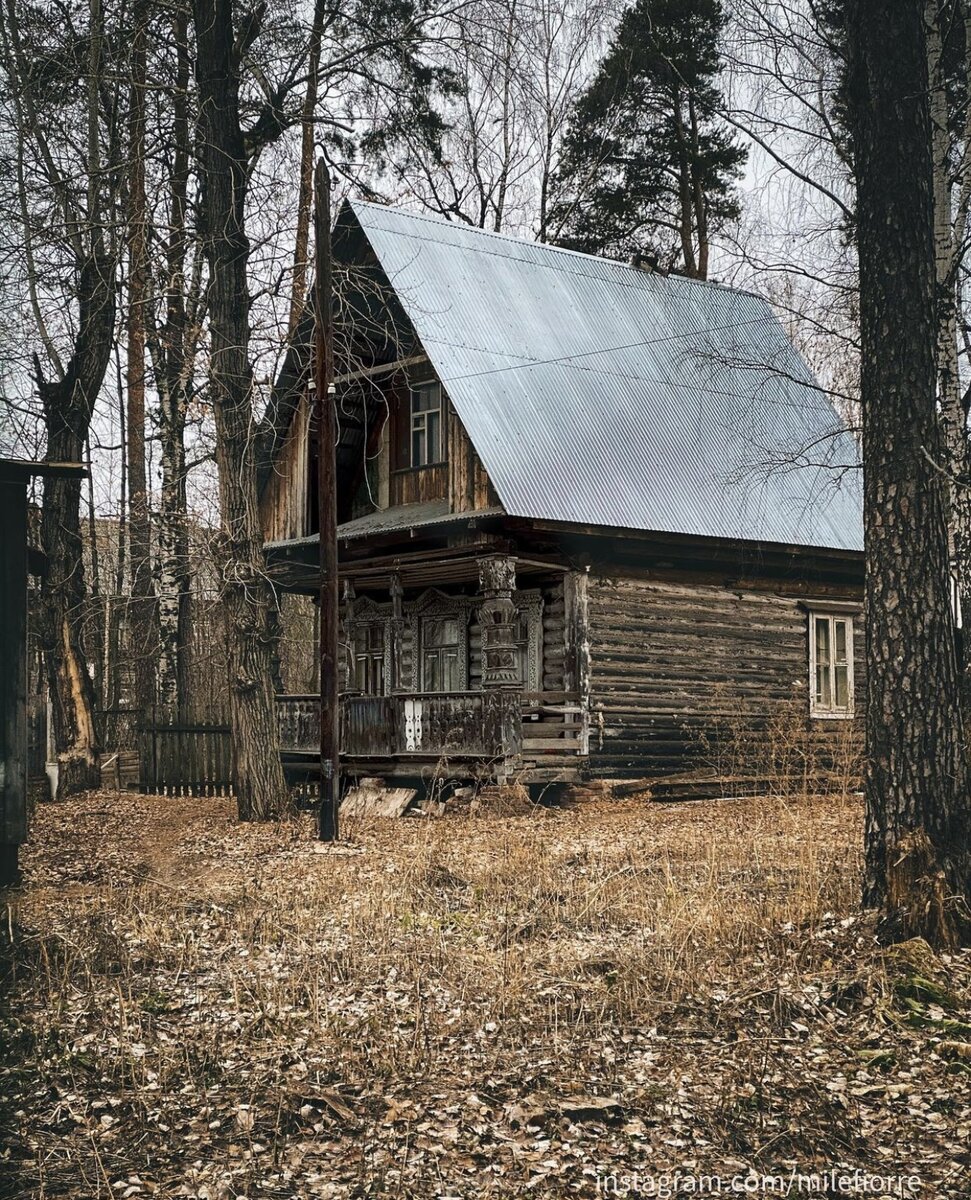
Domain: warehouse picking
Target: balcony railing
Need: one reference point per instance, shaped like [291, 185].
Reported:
[459, 724]
[543, 729]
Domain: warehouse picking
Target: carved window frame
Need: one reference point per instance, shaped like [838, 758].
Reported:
[371, 612]
[436, 603]
[531, 603]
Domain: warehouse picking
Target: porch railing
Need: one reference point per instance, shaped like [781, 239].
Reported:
[472, 724]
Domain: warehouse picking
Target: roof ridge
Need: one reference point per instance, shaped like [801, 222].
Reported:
[515, 239]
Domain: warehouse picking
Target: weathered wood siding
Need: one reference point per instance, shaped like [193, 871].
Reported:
[674, 664]
[417, 484]
[285, 500]
[554, 639]
[468, 483]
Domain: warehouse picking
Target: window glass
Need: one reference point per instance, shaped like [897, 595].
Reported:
[441, 649]
[824, 694]
[522, 645]
[369, 659]
[841, 673]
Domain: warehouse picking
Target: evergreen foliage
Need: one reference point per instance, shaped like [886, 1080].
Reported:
[647, 164]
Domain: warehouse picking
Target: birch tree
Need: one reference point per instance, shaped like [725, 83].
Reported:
[141, 639]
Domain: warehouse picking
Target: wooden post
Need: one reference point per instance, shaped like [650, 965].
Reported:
[577, 631]
[497, 618]
[500, 670]
[327, 823]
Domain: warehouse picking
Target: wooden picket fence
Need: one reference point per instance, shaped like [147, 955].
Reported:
[185, 760]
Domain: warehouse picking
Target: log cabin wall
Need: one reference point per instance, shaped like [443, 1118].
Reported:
[554, 639]
[679, 668]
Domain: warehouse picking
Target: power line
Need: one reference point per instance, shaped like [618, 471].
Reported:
[568, 358]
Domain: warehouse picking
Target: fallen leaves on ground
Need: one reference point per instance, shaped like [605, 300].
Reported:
[469, 1007]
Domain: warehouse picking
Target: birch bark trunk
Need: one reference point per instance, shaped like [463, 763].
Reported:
[142, 643]
[174, 357]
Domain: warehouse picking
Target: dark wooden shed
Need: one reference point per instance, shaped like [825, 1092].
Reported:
[19, 560]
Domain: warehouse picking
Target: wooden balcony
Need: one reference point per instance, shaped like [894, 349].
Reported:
[545, 729]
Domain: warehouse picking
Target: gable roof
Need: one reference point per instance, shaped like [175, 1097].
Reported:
[597, 393]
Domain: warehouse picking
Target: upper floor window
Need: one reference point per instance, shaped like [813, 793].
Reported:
[831, 664]
[426, 424]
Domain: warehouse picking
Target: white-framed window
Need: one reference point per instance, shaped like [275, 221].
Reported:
[426, 424]
[830, 664]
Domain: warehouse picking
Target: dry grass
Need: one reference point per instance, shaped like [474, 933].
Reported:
[199, 1008]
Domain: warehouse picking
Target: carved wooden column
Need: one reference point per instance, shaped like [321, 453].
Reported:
[397, 632]
[497, 617]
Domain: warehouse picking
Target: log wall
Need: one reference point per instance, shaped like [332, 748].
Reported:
[554, 639]
[678, 668]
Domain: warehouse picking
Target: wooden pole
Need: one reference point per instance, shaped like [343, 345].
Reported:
[327, 825]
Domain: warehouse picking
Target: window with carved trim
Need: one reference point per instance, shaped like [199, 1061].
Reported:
[831, 664]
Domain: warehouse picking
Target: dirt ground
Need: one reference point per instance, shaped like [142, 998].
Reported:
[618, 998]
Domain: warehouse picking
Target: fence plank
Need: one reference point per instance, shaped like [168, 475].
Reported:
[186, 760]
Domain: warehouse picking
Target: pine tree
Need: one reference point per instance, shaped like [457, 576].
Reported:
[918, 843]
[647, 165]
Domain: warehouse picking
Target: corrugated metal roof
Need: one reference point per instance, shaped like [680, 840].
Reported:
[598, 393]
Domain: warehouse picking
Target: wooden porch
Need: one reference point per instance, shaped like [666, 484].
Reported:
[499, 733]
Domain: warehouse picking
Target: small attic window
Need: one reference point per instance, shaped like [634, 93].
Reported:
[426, 424]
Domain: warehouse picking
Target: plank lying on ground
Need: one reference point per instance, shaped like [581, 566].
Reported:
[369, 800]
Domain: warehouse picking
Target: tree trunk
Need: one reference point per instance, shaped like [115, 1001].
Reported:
[247, 595]
[685, 197]
[68, 405]
[949, 392]
[142, 644]
[113, 656]
[699, 198]
[174, 357]
[917, 849]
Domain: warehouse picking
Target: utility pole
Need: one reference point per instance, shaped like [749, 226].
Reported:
[327, 515]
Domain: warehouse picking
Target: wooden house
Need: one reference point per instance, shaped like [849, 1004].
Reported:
[589, 512]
